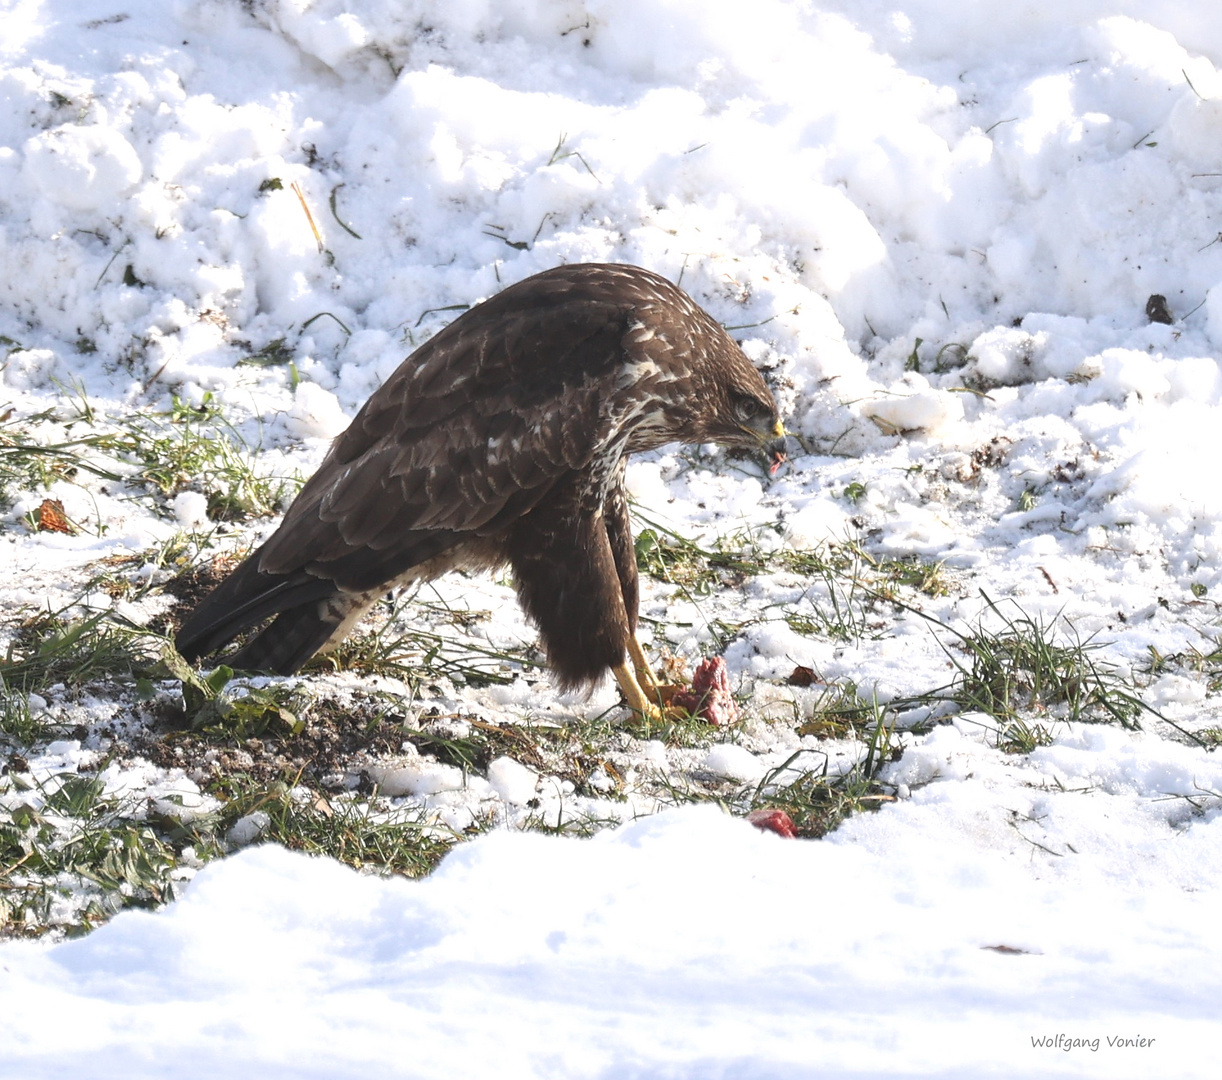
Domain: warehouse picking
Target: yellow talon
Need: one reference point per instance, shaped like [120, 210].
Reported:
[644, 693]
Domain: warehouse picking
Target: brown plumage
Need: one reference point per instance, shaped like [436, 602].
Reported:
[502, 439]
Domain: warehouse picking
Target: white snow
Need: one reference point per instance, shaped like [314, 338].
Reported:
[81, 168]
[248, 828]
[513, 781]
[734, 762]
[190, 508]
[687, 944]
[184, 185]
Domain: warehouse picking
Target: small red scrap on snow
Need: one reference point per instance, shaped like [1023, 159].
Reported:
[709, 697]
[776, 821]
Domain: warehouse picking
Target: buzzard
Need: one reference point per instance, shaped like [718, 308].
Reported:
[503, 439]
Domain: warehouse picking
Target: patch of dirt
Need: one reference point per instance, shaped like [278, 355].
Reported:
[992, 454]
[334, 744]
[191, 586]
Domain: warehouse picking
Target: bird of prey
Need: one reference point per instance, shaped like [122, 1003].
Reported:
[503, 439]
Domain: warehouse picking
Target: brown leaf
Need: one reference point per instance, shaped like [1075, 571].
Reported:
[802, 676]
[51, 518]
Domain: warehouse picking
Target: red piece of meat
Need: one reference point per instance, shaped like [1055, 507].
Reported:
[709, 697]
[776, 821]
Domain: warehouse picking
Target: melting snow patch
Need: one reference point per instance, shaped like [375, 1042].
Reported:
[515, 783]
[734, 762]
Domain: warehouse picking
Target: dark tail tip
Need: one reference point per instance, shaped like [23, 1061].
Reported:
[284, 646]
[248, 597]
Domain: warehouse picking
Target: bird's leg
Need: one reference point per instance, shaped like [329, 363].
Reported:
[645, 677]
[638, 699]
[658, 692]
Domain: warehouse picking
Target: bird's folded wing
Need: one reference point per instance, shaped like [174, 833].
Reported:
[463, 439]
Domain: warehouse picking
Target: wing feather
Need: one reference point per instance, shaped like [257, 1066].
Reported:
[465, 437]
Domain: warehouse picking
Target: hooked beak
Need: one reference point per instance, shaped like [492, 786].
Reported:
[775, 449]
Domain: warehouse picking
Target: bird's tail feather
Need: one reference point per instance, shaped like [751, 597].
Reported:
[289, 641]
[246, 598]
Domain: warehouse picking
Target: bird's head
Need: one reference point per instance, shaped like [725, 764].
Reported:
[736, 407]
[703, 387]
[755, 417]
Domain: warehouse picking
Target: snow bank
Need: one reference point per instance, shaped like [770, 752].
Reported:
[685, 945]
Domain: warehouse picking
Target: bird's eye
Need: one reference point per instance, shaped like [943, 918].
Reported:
[748, 409]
